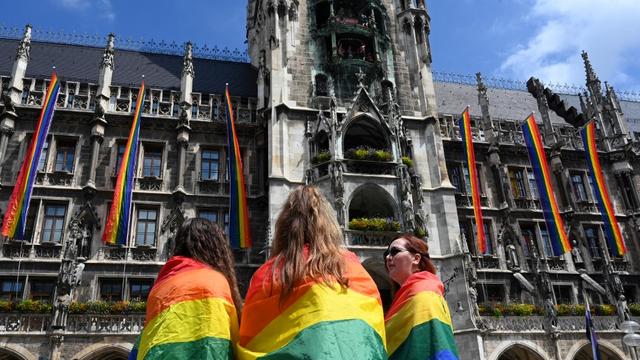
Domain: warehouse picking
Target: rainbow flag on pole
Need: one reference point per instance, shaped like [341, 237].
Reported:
[418, 323]
[15, 218]
[117, 229]
[467, 143]
[612, 229]
[555, 225]
[239, 231]
[190, 315]
[316, 321]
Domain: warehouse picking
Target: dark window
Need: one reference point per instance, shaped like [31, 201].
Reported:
[579, 188]
[65, 155]
[546, 240]
[533, 187]
[631, 293]
[42, 289]
[487, 235]
[464, 230]
[226, 222]
[43, 156]
[152, 161]
[111, 289]
[490, 293]
[121, 148]
[628, 192]
[592, 235]
[210, 215]
[146, 227]
[139, 289]
[528, 237]
[11, 289]
[518, 187]
[53, 225]
[456, 177]
[209, 165]
[564, 294]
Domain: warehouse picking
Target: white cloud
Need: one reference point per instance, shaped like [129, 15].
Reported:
[103, 8]
[561, 29]
[75, 4]
[106, 9]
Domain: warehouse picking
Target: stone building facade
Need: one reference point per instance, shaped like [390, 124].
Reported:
[337, 93]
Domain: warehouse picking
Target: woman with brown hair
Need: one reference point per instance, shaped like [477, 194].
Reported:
[418, 323]
[312, 299]
[193, 307]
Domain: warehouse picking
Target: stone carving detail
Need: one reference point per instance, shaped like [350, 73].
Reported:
[150, 183]
[170, 226]
[24, 48]
[337, 186]
[187, 63]
[108, 55]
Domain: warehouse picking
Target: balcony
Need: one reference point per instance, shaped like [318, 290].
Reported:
[26, 250]
[464, 200]
[149, 183]
[16, 323]
[136, 253]
[370, 167]
[488, 261]
[527, 204]
[529, 324]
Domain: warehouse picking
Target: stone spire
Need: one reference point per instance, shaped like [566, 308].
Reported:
[24, 49]
[593, 83]
[107, 57]
[187, 63]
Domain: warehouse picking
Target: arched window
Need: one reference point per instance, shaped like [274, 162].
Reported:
[362, 206]
[365, 132]
[518, 352]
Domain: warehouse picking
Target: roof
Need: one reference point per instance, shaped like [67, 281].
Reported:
[512, 104]
[81, 63]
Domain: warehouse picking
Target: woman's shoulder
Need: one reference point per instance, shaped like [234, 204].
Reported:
[424, 281]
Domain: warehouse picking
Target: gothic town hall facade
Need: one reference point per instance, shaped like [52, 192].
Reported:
[336, 93]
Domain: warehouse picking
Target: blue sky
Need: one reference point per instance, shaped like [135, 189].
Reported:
[501, 38]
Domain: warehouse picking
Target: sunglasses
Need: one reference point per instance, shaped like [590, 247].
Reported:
[393, 252]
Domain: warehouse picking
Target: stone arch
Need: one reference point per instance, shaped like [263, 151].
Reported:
[529, 347]
[15, 352]
[114, 351]
[607, 349]
[364, 130]
[360, 204]
[378, 272]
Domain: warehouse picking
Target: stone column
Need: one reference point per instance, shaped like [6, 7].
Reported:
[183, 129]
[20, 66]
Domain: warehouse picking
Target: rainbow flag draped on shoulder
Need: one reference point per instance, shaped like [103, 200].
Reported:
[15, 218]
[418, 323]
[239, 231]
[190, 315]
[470, 154]
[117, 229]
[555, 225]
[601, 192]
[316, 321]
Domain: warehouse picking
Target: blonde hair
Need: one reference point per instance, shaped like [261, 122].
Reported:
[307, 221]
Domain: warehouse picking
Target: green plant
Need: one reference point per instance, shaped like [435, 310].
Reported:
[32, 307]
[420, 232]
[7, 306]
[605, 310]
[119, 307]
[364, 153]
[98, 307]
[521, 309]
[374, 224]
[564, 309]
[634, 309]
[407, 161]
[138, 306]
[381, 155]
[321, 157]
[78, 308]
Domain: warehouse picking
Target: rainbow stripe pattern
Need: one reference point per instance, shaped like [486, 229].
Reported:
[601, 192]
[116, 231]
[316, 321]
[418, 323]
[15, 218]
[555, 225]
[239, 231]
[467, 143]
[190, 315]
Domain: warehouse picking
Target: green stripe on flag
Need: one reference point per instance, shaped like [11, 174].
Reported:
[333, 340]
[430, 340]
[208, 348]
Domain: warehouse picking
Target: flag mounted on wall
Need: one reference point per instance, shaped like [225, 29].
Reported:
[470, 156]
[555, 225]
[116, 231]
[15, 218]
[601, 192]
[239, 231]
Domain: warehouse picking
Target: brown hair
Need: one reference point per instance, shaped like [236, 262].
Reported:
[416, 245]
[307, 221]
[203, 240]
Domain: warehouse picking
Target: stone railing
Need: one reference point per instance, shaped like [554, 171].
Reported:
[24, 323]
[370, 167]
[537, 323]
[105, 324]
[370, 238]
[25, 250]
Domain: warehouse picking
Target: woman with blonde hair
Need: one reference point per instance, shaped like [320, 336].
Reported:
[312, 299]
[418, 323]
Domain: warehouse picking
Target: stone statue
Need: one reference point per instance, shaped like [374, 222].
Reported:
[9, 106]
[407, 212]
[76, 278]
[513, 261]
[421, 219]
[24, 49]
[337, 182]
[187, 63]
[550, 312]
[107, 56]
[61, 310]
[576, 255]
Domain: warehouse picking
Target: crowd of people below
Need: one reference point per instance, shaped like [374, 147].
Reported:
[311, 300]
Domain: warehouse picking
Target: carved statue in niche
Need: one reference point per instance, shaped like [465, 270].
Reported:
[9, 106]
[170, 226]
[421, 219]
[337, 181]
[407, 212]
[61, 310]
[576, 255]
